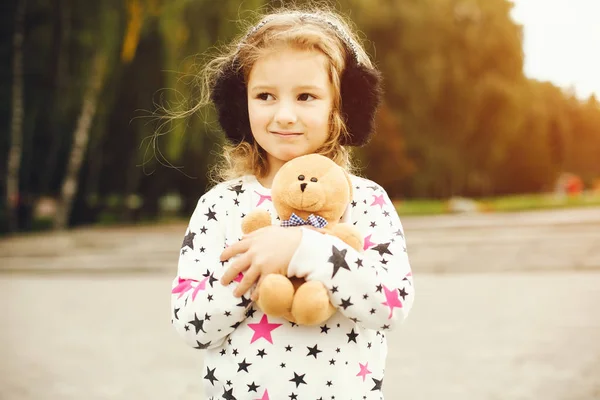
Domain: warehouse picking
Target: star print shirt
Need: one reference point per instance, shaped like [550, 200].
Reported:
[249, 355]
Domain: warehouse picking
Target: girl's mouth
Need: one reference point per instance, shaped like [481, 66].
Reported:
[286, 134]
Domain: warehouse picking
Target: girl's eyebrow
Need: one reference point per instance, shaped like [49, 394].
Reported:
[271, 88]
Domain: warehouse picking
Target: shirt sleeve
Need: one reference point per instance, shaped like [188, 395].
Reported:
[204, 311]
[374, 288]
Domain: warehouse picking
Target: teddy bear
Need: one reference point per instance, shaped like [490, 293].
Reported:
[311, 191]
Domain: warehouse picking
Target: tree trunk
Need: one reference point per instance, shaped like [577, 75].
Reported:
[80, 140]
[16, 145]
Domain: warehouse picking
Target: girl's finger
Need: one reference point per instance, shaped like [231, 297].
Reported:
[255, 292]
[235, 249]
[249, 278]
[238, 266]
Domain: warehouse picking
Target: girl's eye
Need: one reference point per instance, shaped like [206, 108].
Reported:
[264, 96]
[306, 97]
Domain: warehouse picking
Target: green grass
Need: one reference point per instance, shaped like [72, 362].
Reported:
[501, 204]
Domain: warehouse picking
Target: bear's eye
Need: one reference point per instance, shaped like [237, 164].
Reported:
[300, 177]
[313, 179]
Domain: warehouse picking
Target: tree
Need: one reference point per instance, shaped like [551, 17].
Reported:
[16, 145]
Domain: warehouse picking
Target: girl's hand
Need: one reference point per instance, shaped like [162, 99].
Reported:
[265, 251]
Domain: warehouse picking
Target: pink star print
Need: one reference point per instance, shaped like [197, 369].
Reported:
[378, 201]
[262, 198]
[201, 286]
[364, 371]
[239, 277]
[367, 242]
[182, 287]
[263, 330]
[392, 300]
[265, 396]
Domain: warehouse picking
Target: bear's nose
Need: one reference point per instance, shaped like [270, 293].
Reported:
[303, 186]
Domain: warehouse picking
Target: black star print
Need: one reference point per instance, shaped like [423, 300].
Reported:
[288, 348]
[379, 288]
[198, 324]
[325, 328]
[359, 263]
[211, 215]
[176, 311]
[187, 328]
[236, 202]
[252, 387]
[329, 383]
[378, 384]
[228, 313]
[202, 346]
[202, 250]
[245, 302]
[183, 251]
[334, 289]
[243, 366]
[373, 311]
[373, 224]
[261, 353]
[365, 296]
[228, 394]
[237, 189]
[250, 312]
[210, 375]
[211, 277]
[313, 351]
[293, 396]
[203, 229]
[188, 240]
[382, 249]
[338, 260]
[352, 336]
[234, 352]
[282, 365]
[346, 303]
[402, 293]
[332, 362]
[298, 379]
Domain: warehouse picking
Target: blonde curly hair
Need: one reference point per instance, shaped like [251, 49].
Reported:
[284, 27]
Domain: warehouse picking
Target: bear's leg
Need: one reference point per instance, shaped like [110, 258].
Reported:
[275, 295]
[311, 304]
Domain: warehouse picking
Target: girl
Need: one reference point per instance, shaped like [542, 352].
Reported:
[296, 83]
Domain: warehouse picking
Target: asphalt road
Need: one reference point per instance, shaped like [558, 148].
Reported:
[469, 336]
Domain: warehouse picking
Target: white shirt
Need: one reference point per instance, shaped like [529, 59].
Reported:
[249, 355]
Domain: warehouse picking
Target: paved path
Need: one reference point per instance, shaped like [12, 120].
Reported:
[474, 336]
[533, 241]
[511, 314]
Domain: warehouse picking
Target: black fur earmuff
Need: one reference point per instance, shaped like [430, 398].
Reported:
[361, 92]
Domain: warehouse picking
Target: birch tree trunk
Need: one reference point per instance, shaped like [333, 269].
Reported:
[16, 136]
[80, 140]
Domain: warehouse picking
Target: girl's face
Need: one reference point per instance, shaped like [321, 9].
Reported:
[290, 98]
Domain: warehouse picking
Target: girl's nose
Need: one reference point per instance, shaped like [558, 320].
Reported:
[285, 114]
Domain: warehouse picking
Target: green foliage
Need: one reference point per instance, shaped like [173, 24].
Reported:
[459, 117]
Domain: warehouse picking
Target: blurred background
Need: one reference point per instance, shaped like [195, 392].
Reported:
[488, 142]
[489, 104]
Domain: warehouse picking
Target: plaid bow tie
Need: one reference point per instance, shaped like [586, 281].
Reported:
[314, 220]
